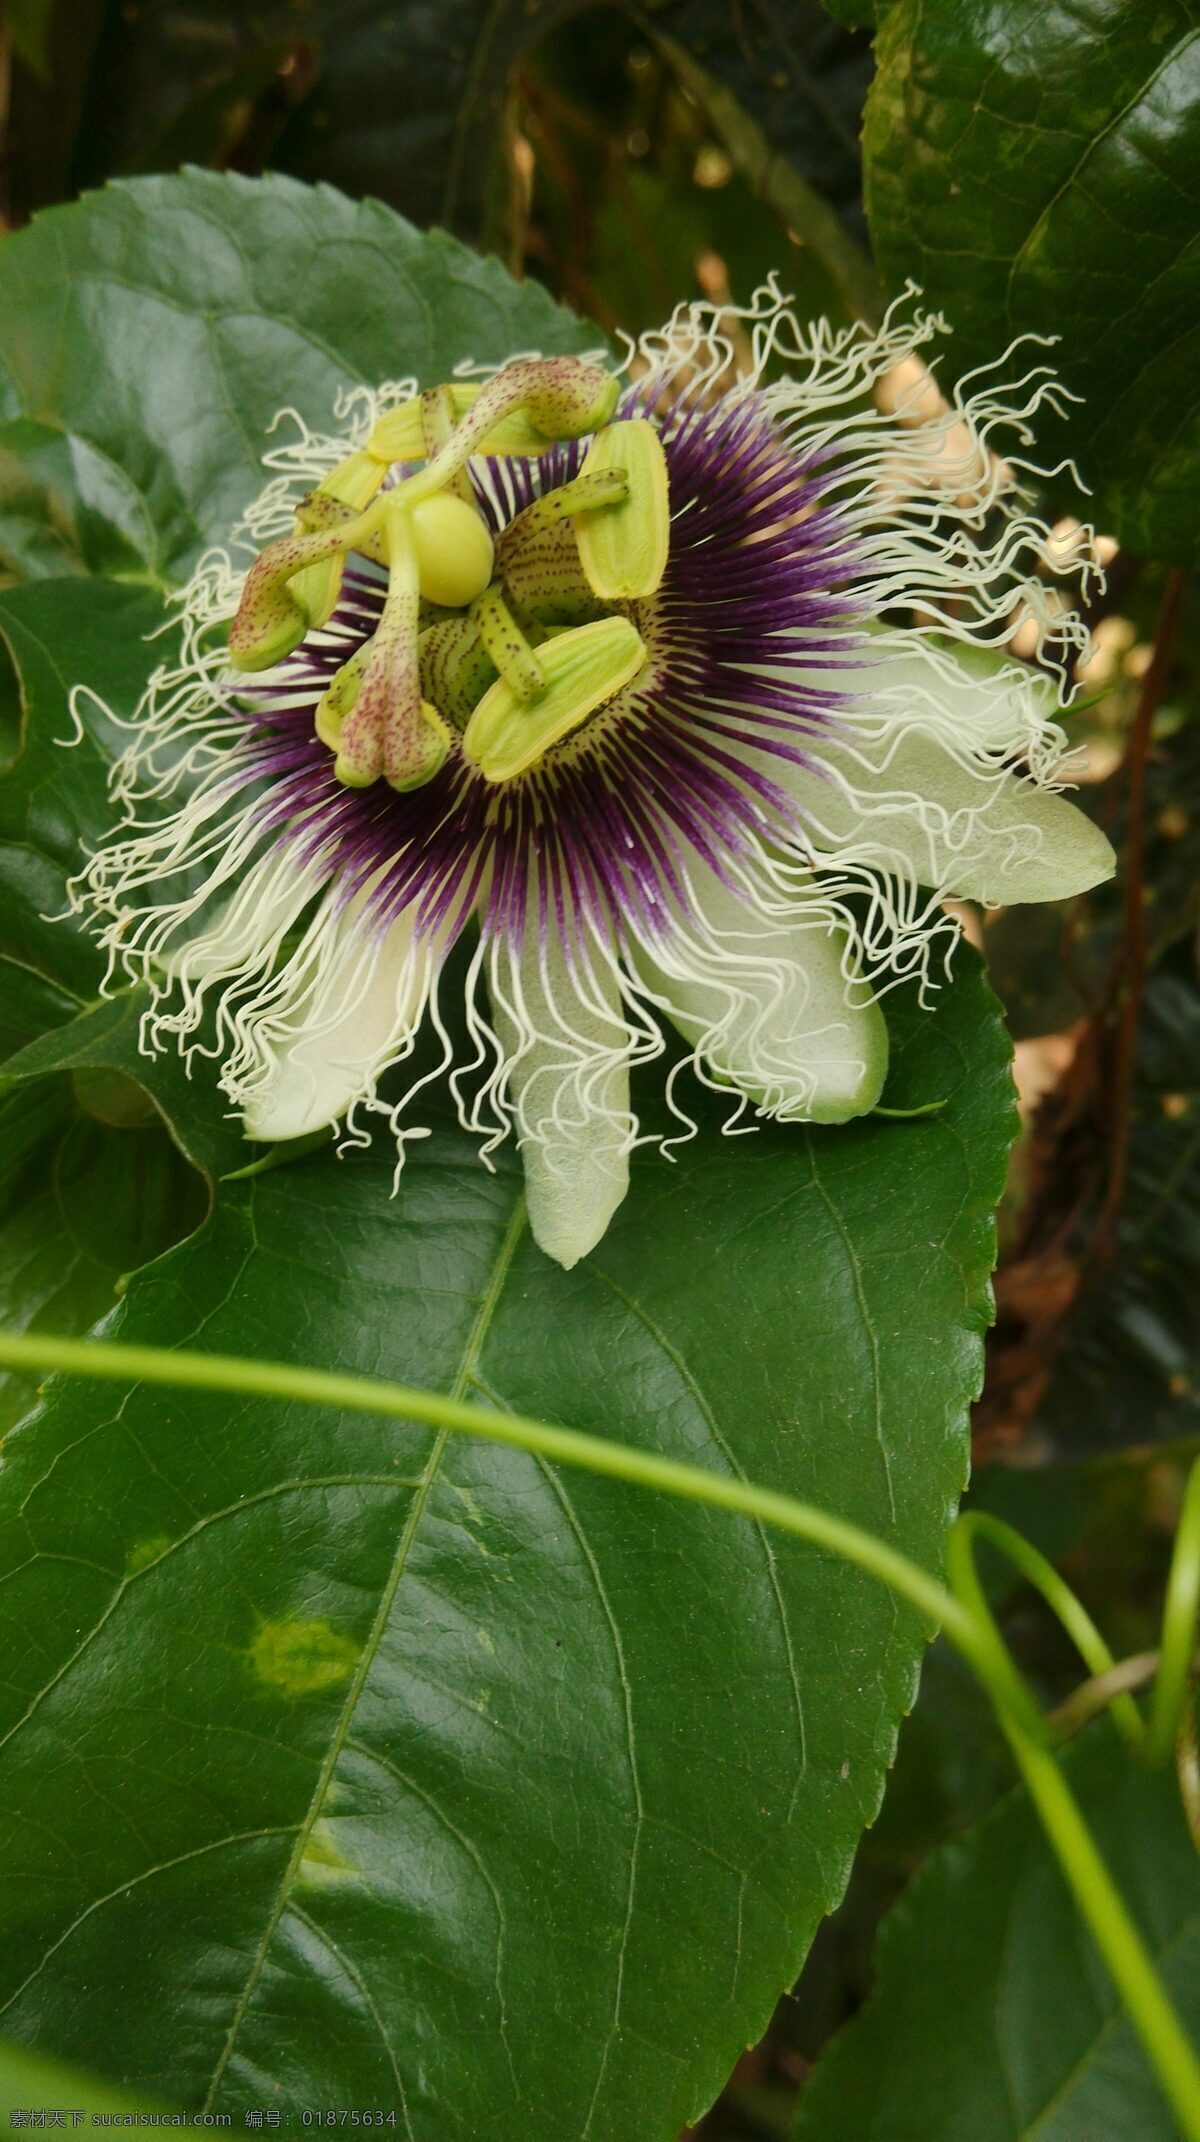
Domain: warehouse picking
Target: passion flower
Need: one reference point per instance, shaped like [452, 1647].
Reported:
[695, 706]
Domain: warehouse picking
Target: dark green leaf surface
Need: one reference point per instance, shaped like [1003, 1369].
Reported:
[419, 1774]
[54, 803]
[29, 1006]
[92, 1185]
[161, 326]
[104, 1039]
[1038, 168]
[993, 2016]
[82, 1203]
[64, 508]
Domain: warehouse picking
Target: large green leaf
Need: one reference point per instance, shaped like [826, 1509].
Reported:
[54, 803]
[993, 2016]
[419, 1774]
[92, 1183]
[1037, 168]
[87, 1194]
[251, 296]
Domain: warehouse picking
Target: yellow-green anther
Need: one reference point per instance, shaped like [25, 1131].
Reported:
[584, 669]
[269, 621]
[519, 411]
[353, 485]
[456, 668]
[507, 645]
[564, 396]
[339, 698]
[454, 550]
[623, 548]
[567, 397]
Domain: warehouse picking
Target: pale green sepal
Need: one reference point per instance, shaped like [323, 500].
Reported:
[896, 795]
[349, 1011]
[803, 1042]
[569, 1088]
[400, 436]
[623, 547]
[584, 668]
[340, 697]
[974, 833]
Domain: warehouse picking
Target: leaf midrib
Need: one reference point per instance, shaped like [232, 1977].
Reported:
[338, 1738]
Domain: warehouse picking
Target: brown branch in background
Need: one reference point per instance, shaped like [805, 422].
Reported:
[1129, 967]
[1077, 1161]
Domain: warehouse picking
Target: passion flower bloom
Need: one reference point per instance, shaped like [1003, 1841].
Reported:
[692, 707]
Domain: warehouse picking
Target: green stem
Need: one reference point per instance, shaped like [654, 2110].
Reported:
[1070, 1611]
[1095, 1893]
[963, 1612]
[1114, 1932]
[1179, 1628]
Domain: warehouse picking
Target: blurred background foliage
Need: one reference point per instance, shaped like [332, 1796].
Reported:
[635, 157]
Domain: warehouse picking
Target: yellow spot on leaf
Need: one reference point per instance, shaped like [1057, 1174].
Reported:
[323, 1860]
[300, 1658]
[143, 1552]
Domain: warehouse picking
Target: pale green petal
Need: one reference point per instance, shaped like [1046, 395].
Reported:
[973, 833]
[914, 779]
[769, 1006]
[567, 1047]
[351, 1011]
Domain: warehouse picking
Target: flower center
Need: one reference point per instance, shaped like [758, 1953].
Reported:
[502, 648]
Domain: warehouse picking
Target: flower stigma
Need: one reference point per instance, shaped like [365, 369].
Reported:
[684, 702]
[599, 539]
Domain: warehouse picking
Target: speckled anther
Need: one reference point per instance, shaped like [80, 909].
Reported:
[351, 486]
[564, 398]
[623, 545]
[270, 619]
[584, 669]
